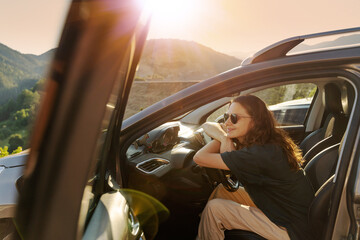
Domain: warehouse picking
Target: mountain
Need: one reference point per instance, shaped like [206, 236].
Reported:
[180, 60]
[20, 71]
[240, 54]
[15, 66]
[163, 59]
[341, 41]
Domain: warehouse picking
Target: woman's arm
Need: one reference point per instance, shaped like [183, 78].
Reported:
[209, 156]
[227, 145]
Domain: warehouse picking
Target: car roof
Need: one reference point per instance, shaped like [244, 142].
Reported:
[282, 48]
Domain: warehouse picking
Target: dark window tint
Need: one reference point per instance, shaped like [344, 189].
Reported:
[294, 116]
[289, 103]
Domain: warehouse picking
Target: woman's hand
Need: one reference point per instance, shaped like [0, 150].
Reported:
[209, 155]
[217, 132]
[214, 130]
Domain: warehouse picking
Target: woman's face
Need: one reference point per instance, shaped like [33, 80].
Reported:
[243, 124]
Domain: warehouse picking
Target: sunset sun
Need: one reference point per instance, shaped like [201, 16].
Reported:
[169, 13]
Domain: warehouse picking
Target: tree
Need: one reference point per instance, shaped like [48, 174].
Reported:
[4, 132]
[39, 85]
[28, 98]
[19, 149]
[15, 141]
[4, 151]
[22, 117]
[7, 109]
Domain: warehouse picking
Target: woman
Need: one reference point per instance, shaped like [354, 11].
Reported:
[277, 193]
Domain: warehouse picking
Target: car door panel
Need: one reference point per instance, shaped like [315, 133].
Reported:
[98, 40]
[113, 219]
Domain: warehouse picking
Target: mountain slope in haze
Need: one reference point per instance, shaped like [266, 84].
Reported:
[172, 59]
[341, 41]
[15, 66]
[162, 59]
[20, 71]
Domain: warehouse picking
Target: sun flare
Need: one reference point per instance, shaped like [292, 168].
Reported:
[171, 12]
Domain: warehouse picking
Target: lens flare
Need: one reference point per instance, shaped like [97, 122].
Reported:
[172, 12]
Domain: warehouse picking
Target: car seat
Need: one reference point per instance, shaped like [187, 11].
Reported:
[322, 166]
[337, 109]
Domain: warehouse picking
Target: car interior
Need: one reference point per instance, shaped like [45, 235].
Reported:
[159, 163]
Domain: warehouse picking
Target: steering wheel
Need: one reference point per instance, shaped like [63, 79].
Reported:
[229, 181]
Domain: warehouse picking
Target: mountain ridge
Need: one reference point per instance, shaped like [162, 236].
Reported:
[20, 71]
[340, 41]
[162, 60]
[174, 59]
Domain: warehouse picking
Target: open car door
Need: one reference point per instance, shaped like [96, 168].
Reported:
[86, 94]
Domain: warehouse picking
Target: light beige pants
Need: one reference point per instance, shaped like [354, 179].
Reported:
[235, 210]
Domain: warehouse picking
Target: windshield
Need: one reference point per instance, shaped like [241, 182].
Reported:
[192, 40]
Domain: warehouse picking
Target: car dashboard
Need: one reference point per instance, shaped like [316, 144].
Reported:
[161, 164]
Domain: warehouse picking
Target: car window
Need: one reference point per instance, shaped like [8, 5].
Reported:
[289, 103]
[164, 71]
[290, 114]
[169, 65]
[217, 116]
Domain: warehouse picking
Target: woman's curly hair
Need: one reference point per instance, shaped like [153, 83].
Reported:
[264, 130]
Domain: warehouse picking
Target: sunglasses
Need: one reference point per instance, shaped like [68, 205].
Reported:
[233, 117]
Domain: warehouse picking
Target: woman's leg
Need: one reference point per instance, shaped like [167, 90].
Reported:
[222, 214]
[239, 196]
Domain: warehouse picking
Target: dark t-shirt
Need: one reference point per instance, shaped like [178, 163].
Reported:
[282, 194]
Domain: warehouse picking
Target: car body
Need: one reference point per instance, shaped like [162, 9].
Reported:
[90, 174]
[11, 169]
[291, 112]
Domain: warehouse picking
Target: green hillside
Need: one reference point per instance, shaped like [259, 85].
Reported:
[16, 118]
[20, 85]
[19, 71]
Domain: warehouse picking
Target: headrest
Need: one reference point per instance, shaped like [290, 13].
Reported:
[347, 97]
[333, 98]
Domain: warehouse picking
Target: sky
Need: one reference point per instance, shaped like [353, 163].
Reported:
[229, 26]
